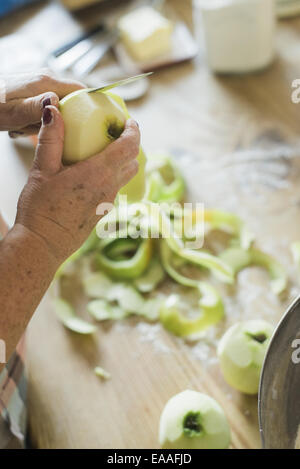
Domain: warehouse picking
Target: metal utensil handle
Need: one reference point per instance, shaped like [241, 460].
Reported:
[61, 50]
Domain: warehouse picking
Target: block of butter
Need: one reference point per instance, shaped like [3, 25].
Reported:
[145, 33]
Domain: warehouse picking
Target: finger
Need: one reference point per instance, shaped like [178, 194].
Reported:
[126, 147]
[25, 132]
[19, 113]
[128, 172]
[50, 141]
[22, 86]
[121, 151]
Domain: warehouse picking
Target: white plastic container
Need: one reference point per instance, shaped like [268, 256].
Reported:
[238, 34]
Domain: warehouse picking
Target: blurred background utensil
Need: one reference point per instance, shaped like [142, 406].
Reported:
[84, 65]
[279, 409]
[66, 56]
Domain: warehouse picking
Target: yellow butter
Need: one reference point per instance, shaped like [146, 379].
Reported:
[145, 33]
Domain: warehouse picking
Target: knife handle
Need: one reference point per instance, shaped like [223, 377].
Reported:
[61, 50]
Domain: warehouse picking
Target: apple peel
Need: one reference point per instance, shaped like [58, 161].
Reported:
[127, 268]
[219, 268]
[152, 277]
[128, 299]
[102, 310]
[96, 285]
[217, 219]
[65, 313]
[239, 259]
[164, 180]
[211, 312]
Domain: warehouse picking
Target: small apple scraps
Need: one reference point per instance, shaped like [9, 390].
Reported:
[241, 353]
[191, 420]
[92, 121]
[101, 373]
[66, 314]
[145, 33]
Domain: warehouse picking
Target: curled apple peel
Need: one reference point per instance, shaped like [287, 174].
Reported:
[238, 259]
[164, 180]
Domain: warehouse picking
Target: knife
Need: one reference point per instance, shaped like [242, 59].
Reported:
[126, 81]
[63, 58]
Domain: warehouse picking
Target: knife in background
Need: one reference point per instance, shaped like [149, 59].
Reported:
[69, 54]
[84, 65]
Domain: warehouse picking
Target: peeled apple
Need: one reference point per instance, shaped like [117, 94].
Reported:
[92, 121]
[241, 353]
[192, 420]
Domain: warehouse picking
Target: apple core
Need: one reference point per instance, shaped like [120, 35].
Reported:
[192, 425]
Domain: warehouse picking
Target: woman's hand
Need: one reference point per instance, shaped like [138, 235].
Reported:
[25, 96]
[58, 204]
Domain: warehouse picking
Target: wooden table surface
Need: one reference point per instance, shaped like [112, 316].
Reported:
[237, 142]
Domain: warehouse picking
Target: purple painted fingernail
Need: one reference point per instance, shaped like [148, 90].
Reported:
[46, 102]
[47, 116]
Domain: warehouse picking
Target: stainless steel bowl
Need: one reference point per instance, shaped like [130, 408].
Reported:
[279, 395]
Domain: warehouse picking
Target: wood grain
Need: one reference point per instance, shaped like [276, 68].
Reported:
[210, 122]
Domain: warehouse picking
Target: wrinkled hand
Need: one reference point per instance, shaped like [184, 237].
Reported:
[58, 204]
[25, 96]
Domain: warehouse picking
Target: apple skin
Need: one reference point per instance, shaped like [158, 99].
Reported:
[178, 423]
[92, 121]
[241, 353]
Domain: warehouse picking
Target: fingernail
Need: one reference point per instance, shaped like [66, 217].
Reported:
[46, 102]
[47, 116]
[15, 133]
[137, 124]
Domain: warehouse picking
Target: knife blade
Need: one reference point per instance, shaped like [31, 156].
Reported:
[126, 81]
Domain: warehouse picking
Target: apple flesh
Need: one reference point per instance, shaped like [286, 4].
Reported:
[241, 353]
[92, 121]
[191, 420]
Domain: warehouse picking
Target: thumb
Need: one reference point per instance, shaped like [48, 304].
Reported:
[50, 141]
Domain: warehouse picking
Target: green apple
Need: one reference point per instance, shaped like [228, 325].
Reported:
[191, 420]
[92, 121]
[241, 353]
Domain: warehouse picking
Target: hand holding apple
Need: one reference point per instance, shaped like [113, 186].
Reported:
[22, 97]
[92, 121]
[241, 353]
[191, 420]
[59, 203]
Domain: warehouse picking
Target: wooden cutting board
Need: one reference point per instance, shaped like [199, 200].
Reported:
[236, 141]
